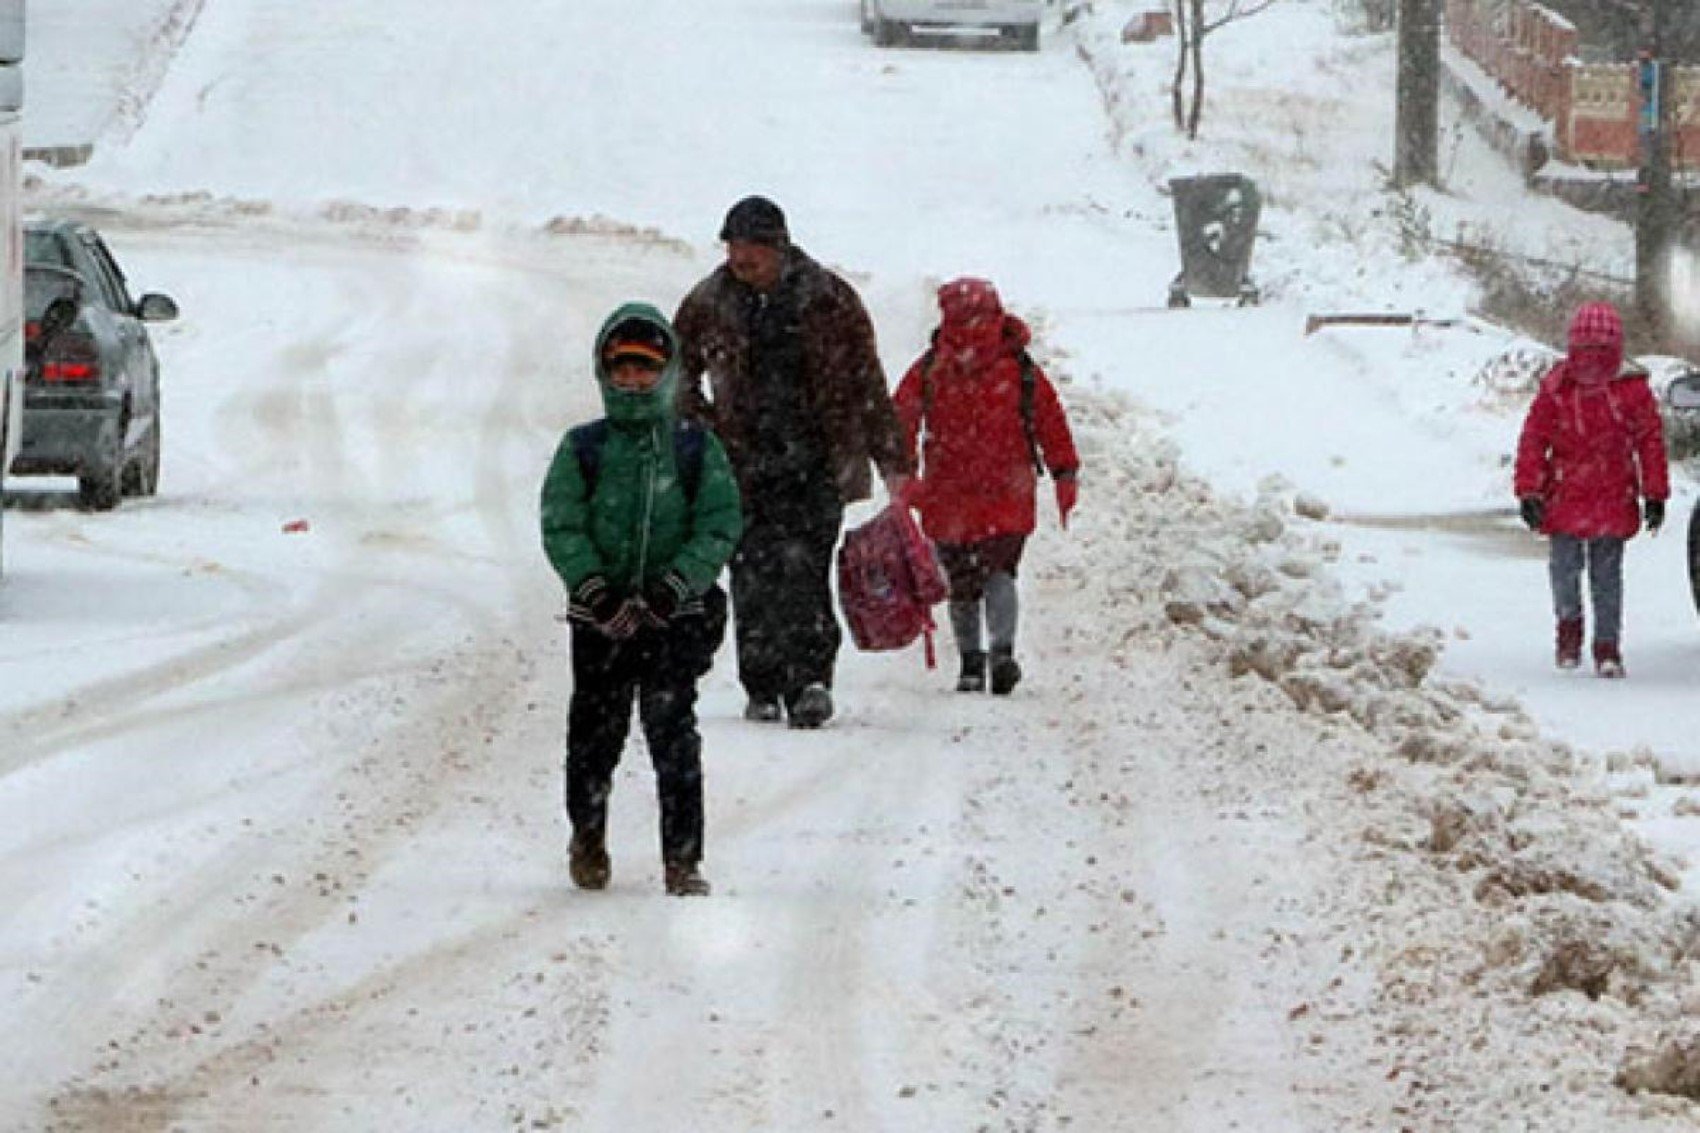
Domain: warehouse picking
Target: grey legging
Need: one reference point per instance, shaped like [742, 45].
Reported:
[1603, 558]
[1003, 608]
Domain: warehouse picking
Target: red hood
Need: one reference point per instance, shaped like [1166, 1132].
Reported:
[974, 328]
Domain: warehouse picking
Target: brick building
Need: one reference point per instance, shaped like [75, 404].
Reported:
[1545, 57]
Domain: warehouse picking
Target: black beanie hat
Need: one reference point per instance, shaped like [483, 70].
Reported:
[757, 220]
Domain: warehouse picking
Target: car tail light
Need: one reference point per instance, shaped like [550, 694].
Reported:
[71, 358]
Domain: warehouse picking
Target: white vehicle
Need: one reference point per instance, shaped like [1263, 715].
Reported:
[892, 21]
[11, 234]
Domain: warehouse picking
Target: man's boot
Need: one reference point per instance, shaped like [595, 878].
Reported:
[762, 711]
[683, 879]
[1569, 650]
[1608, 662]
[973, 678]
[812, 706]
[587, 860]
[1005, 670]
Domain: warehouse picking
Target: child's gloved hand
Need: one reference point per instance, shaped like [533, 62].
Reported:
[1533, 510]
[595, 601]
[1653, 511]
[665, 595]
[1068, 494]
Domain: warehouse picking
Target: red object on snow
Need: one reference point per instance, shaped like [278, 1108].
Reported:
[1145, 27]
[295, 526]
[889, 580]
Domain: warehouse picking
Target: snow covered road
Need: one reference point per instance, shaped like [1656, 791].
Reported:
[288, 843]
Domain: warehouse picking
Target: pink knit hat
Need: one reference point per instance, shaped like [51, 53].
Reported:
[1596, 324]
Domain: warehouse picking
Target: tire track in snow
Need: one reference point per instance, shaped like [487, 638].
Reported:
[410, 771]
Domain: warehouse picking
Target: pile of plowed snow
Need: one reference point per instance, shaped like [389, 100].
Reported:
[1527, 962]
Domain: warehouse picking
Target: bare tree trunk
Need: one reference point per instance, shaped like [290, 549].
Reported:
[1416, 142]
[1183, 48]
[1192, 25]
[1196, 48]
[1658, 213]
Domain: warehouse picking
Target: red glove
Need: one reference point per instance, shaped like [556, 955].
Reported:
[1068, 493]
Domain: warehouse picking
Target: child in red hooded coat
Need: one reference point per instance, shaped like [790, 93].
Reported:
[979, 467]
[1592, 448]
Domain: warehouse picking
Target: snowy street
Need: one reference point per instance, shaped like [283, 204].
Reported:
[1291, 826]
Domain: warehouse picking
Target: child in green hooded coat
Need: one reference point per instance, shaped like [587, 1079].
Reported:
[639, 514]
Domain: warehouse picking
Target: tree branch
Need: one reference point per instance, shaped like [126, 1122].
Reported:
[1237, 10]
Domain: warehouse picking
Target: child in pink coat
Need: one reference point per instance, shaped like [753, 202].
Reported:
[1591, 451]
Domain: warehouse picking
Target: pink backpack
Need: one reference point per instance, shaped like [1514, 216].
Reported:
[889, 580]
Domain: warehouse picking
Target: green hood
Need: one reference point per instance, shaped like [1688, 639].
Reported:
[625, 407]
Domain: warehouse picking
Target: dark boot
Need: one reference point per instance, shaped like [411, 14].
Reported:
[683, 879]
[1608, 662]
[973, 678]
[812, 706]
[587, 860]
[1569, 650]
[1006, 672]
[762, 711]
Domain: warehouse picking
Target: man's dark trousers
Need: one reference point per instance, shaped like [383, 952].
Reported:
[787, 628]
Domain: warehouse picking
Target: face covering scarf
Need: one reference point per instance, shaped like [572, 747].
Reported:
[1593, 366]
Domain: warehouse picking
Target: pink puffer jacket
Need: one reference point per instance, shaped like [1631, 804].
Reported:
[1592, 446]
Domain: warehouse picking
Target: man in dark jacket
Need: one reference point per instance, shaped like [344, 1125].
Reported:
[638, 519]
[800, 400]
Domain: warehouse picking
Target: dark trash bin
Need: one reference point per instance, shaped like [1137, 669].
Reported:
[1216, 221]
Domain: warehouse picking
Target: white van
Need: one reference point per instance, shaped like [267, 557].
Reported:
[892, 21]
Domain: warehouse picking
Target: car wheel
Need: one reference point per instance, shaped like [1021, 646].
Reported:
[154, 446]
[99, 487]
[1027, 38]
[887, 33]
[867, 19]
[141, 475]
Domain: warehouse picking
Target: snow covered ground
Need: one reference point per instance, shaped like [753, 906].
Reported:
[1292, 825]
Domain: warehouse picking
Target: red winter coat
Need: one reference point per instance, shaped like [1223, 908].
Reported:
[1591, 450]
[976, 475]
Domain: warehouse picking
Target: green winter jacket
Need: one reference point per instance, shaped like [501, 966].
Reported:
[639, 522]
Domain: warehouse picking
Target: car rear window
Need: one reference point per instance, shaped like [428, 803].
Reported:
[42, 285]
[45, 248]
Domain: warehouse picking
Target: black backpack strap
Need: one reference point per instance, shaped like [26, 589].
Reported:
[587, 441]
[1028, 380]
[689, 439]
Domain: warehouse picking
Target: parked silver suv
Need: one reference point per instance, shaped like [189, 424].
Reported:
[891, 22]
